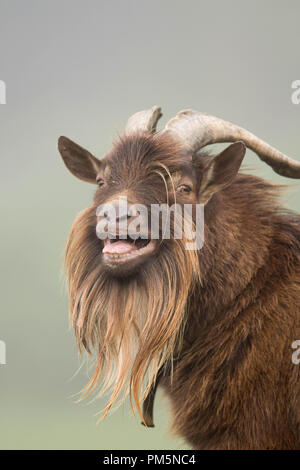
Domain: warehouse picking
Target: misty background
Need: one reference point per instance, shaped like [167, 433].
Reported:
[80, 69]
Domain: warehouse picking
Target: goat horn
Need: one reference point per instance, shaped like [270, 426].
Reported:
[194, 130]
[144, 121]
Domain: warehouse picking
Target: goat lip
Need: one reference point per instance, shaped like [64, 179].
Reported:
[121, 254]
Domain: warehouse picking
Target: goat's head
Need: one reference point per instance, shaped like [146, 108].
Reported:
[128, 291]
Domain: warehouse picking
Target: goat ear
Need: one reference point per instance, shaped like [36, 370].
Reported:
[79, 161]
[221, 171]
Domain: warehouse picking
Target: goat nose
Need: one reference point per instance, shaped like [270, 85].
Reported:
[120, 212]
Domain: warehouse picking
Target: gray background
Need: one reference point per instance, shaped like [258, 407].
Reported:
[81, 68]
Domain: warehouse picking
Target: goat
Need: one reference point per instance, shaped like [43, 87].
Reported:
[213, 327]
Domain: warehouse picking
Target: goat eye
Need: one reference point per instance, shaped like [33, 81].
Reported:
[100, 182]
[184, 188]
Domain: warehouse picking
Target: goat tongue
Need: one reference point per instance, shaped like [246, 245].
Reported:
[119, 247]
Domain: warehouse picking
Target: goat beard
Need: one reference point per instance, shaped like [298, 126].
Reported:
[134, 326]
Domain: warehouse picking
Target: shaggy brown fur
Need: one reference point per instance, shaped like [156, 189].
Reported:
[214, 327]
[235, 386]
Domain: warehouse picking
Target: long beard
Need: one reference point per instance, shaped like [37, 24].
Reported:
[135, 326]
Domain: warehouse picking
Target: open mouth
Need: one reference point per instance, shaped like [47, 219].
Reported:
[119, 250]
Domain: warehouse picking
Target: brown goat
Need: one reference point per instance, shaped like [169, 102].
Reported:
[215, 326]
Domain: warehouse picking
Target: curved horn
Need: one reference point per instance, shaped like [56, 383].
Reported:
[143, 121]
[195, 130]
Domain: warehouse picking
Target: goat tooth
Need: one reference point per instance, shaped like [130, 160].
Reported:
[118, 255]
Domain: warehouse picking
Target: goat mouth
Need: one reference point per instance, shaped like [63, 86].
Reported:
[119, 251]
